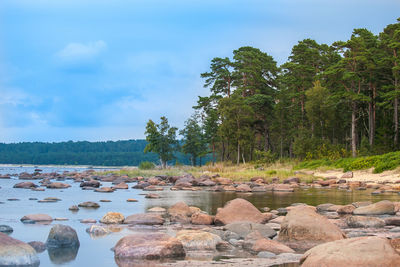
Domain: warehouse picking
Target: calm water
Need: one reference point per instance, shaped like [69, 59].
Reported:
[96, 252]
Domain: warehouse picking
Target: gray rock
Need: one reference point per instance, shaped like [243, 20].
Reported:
[61, 236]
[6, 229]
[244, 228]
[266, 254]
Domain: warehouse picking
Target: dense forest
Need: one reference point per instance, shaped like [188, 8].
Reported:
[326, 101]
[110, 153]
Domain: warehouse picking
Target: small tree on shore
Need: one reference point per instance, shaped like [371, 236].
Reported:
[161, 139]
[193, 140]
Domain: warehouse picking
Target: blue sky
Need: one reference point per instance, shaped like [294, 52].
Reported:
[99, 70]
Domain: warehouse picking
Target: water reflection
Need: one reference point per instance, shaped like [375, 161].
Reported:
[62, 255]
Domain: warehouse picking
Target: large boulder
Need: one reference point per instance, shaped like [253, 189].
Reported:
[112, 218]
[302, 228]
[238, 210]
[364, 222]
[378, 208]
[198, 240]
[256, 242]
[145, 219]
[16, 253]
[62, 236]
[357, 252]
[149, 246]
[36, 218]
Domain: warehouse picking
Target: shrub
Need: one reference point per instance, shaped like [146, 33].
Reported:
[146, 165]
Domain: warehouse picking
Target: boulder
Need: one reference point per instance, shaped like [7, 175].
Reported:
[302, 228]
[38, 246]
[6, 229]
[61, 236]
[269, 245]
[145, 219]
[364, 222]
[361, 251]
[202, 219]
[243, 188]
[347, 209]
[198, 240]
[238, 210]
[223, 181]
[122, 185]
[90, 183]
[242, 229]
[283, 188]
[180, 208]
[36, 218]
[25, 185]
[378, 208]
[112, 218]
[393, 220]
[16, 253]
[104, 190]
[149, 246]
[57, 185]
[347, 175]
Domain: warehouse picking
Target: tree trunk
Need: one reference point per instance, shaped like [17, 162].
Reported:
[213, 152]
[238, 153]
[371, 119]
[396, 121]
[266, 138]
[354, 129]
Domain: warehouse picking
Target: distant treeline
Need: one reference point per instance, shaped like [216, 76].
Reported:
[110, 153]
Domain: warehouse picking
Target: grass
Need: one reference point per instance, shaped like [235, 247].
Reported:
[242, 172]
[380, 163]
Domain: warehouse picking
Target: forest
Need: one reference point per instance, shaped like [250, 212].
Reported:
[327, 101]
[110, 153]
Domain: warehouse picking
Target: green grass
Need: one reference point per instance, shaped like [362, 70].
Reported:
[380, 163]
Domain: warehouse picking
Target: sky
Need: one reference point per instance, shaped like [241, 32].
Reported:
[98, 70]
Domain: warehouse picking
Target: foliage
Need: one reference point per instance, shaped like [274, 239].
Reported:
[146, 165]
[161, 139]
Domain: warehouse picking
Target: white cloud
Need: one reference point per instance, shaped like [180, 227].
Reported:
[76, 51]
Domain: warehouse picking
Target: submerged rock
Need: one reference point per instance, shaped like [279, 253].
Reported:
[16, 253]
[362, 251]
[150, 246]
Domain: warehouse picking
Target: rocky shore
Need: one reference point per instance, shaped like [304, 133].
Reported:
[238, 234]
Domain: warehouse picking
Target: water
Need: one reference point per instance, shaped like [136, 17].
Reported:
[97, 252]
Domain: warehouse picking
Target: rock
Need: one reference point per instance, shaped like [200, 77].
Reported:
[105, 200]
[157, 210]
[145, 219]
[152, 195]
[89, 204]
[269, 245]
[238, 210]
[303, 228]
[149, 246]
[38, 246]
[180, 208]
[396, 244]
[361, 251]
[36, 218]
[202, 219]
[393, 221]
[91, 183]
[6, 229]
[223, 181]
[378, 208]
[364, 222]
[73, 208]
[25, 185]
[97, 230]
[104, 190]
[266, 255]
[57, 185]
[283, 188]
[16, 253]
[324, 207]
[347, 209]
[243, 188]
[112, 218]
[131, 200]
[347, 175]
[198, 240]
[122, 185]
[361, 203]
[244, 228]
[61, 236]
[88, 221]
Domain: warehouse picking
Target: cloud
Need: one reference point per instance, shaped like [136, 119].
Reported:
[79, 51]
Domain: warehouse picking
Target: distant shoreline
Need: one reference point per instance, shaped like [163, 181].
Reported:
[65, 166]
